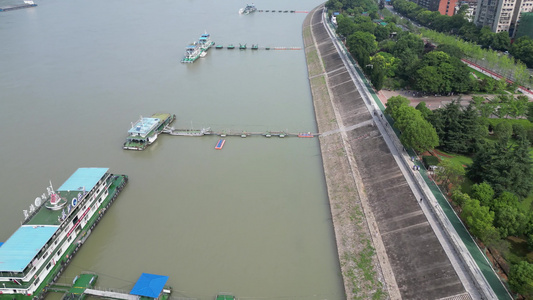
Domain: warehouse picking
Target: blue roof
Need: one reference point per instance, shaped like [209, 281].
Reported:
[1, 244]
[83, 178]
[149, 285]
[20, 249]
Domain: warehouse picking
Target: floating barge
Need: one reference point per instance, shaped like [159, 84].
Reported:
[27, 4]
[225, 296]
[56, 225]
[146, 130]
[220, 144]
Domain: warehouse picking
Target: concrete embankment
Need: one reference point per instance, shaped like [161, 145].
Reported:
[386, 246]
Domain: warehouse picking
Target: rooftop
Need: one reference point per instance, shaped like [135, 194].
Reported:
[20, 249]
[83, 179]
[149, 285]
[144, 126]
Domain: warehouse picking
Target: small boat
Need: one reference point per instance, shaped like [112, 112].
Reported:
[230, 46]
[219, 47]
[255, 47]
[242, 47]
[248, 9]
[220, 144]
[305, 135]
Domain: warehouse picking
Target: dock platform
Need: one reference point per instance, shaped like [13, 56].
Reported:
[111, 295]
[220, 144]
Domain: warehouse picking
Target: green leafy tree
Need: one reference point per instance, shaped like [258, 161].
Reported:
[424, 110]
[503, 130]
[381, 33]
[479, 219]
[504, 167]
[451, 50]
[394, 103]
[510, 221]
[459, 197]
[501, 41]
[362, 45]
[449, 174]
[522, 49]
[419, 135]
[521, 279]
[484, 193]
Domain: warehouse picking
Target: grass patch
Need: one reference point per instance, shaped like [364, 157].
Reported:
[457, 158]
[518, 250]
[478, 74]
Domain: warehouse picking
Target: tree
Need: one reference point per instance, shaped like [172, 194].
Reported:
[503, 130]
[521, 278]
[451, 50]
[419, 135]
[504, 167]
[449, 173]
[459, 197]
[522, 49]
[510, 221]
[408, 41]
[424, 110]
[501, 41]
[381, 33]
[394, 103]
[362, 45]
[479, 219]
[483, 192]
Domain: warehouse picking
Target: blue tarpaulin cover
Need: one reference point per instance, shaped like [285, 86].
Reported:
[149, 285]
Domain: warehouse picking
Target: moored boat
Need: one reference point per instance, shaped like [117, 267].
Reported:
[146, 130]
[205, 41]
[192, 53]
[247, 9]
[56, 225]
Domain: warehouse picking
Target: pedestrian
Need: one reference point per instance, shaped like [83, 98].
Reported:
[420, 199]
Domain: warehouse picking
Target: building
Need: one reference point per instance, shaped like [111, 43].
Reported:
[445, 7]
[470, 12]
[501, 15]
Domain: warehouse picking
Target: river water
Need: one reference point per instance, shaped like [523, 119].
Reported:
[252, 219]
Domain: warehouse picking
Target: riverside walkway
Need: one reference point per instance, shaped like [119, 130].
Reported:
[420, 254]
[468, 261]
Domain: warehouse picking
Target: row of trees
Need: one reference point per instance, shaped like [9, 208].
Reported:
[457, 25]
[506, 65]
[386, 53]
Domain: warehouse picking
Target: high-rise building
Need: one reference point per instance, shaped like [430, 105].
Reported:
[501, 15]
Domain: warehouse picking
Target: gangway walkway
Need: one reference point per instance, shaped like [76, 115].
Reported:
[111, 295]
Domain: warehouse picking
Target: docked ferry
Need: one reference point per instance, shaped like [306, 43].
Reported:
[146, 130]
[205, 41]
[192, 52]
[55, 226]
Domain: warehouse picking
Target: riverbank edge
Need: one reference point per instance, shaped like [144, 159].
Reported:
[352, 235]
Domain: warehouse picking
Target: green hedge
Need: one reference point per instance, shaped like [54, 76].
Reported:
[524, 122]
[430, 161]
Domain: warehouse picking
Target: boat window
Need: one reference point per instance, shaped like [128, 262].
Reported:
[59, 252]
[48, 266]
